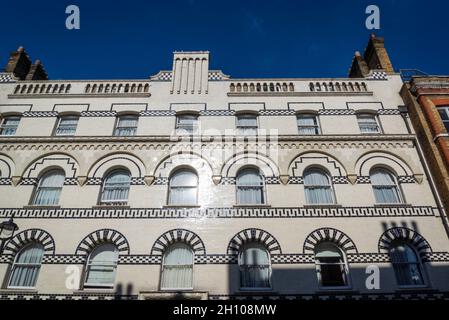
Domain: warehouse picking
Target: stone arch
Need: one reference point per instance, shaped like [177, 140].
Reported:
[253, 235]
[172, 162]
[342, 240]
[103, 236]
[407, 235]
[366, 162]
[318, 159]
[267, 166]
[14, 245]
[60, 160]
[178, 235]
[117, 160]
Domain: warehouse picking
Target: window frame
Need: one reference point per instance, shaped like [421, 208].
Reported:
[444, 109]
[182, 128]
[4, 126]
[170, 187]
[330, 186]
[103, 187]
[241, 129]
[58, 125]
[34, 265]
[372, 116]
[344, 263]
[400, 195]
[161, 288]
[419, 264]
[316, 126]
[240, 265]
[262, 187]
[39, 187]
[89, 264]
[118, 127]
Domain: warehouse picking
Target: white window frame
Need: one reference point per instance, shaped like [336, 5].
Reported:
[4, 126]
[316, 126]
[118, 126]
[170, 187]
[330, 186]
[73, 127]
[241, 129]
[345, 268]
[184, 128]
[262, 187]
[370, 116]
[40, 187]
[114, 265]
[241, 265]
[395, 185]
[444, 109]
[103, 187]
[164, 265]
[34, 265]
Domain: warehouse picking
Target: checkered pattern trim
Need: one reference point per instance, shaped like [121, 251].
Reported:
[157, 113]
[436, 257]
[11, 295]
[140, 259]
[340, 180]
[161, 181]
[335, 112]
[295, 180]
[5, 181]
[368, 258]
[363, 180]
[39, 114]
[28, 181]
[228, 181]
[216, 259]
[137, 181]
[216, 76]
[377, 75]
[272, 180]
[277, 112]
[98, 114]
[189, 213]
[6, 77]
[70, 182]
[388, 112]
[6, 258]
[406, 179]
[93, 181]
[217, 113]
[165, 76]
[64, 259]
[292, 258]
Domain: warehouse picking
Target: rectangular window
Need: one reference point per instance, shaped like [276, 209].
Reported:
[9, 126]
[187, 124]
[444, 113]
[247, 124]
[126, 126]
[368, 124]
[67, 126]
[308, 125]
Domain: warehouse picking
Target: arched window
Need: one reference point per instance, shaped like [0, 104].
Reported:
[384, 186]
[250, 187]
[255, 267]
[318, 187]
[27, 264]
[407, 265]
[49, 188]
[116, 187]
[101, 266]
[183, 188]
[177, 268]
[331, 267]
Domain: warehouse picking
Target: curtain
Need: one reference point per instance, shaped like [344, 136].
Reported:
[317, 188]
[49, 188]
[127, 126]
[384, 186]
[26, 267]
[102, 266]
[177, 272]
[254, 267]
[368, 124]
[250, 187]
[183, 188]
[406, 265]
[331, 265]
[307, 125]
[67, 126]
[116, 187]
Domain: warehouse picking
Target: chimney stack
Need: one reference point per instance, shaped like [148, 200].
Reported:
[37, 72]
[19, 64]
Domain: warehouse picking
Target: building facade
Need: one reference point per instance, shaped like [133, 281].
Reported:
[427, 99]
[194, 184]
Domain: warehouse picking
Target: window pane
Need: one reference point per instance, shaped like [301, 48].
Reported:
[188, 123]
[247, 124]
[67, 126]
[9, 126]
[177, 272]
[49, 188]
[102, 265]
[254, 267]
[26, 267]
[116, 187]
[406, 265]
[317, 188]
[250, 187]
[183, 188]
[367, 124]
[126, 126]
[307, 125]
[384, 187]
[331, 266]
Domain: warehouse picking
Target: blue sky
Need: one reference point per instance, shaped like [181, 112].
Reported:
[246, 38]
